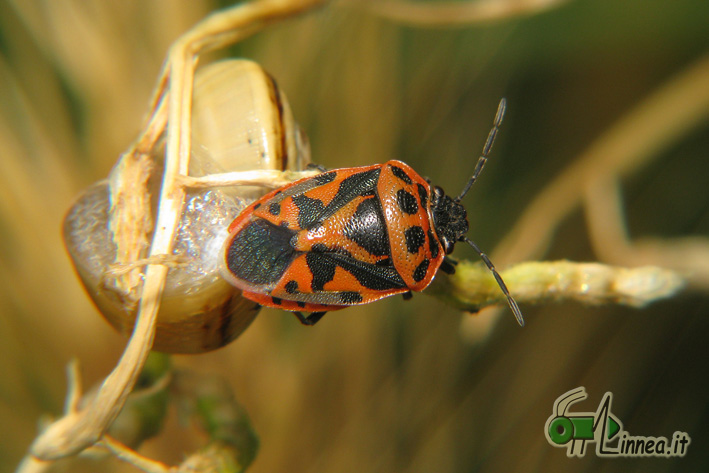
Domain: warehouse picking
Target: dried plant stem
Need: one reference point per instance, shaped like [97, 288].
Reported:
[206, 399]
[452, 14]
[669, 113]
[263, 178]
[611, 241]
[636, 139]
[130, 456]
[472, 287]
[79, 429]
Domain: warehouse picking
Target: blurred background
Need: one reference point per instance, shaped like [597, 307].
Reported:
[597, 88]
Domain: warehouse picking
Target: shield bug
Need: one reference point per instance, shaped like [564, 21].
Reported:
[350, 236]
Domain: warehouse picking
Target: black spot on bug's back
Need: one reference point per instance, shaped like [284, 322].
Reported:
[325, 177]
[260, 252]
[420, 271]
[301, 304]
[276, 300]
[291, 287]
[407, 202]
[361, 183]
[313, 212]
[274, 208]
[309, 210]
[350, 297]
[371, 276]
[322, 268]
[433, 244]
[367, 228]
[423, 195]
[400, 173]
[415, 238]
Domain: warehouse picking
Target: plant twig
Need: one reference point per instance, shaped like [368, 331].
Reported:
[472, 287]
[79, 429]
[455, 14]
[637, 138]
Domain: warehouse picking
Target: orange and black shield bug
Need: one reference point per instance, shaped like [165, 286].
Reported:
[349, 236]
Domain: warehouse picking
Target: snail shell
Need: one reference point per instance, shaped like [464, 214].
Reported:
[240, 121]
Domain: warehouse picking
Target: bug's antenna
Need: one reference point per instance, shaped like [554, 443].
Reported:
[487, 148]
[500, 282]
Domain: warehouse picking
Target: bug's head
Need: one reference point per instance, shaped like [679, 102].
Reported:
[449, 219]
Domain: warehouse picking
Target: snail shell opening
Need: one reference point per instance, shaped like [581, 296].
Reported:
[241, 121]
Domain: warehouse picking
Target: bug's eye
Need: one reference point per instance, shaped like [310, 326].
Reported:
[105, 242]
[436, 195]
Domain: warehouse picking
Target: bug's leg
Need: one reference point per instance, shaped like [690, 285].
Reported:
[407, 296]
[312, 319]
[319, 167]
[448, 265]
